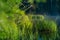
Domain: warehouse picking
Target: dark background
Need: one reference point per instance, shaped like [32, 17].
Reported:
[50, 7]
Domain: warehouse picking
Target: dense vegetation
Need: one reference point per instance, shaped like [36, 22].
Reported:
[16, 25]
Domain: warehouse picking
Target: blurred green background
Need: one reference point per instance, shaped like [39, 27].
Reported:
[29, 20]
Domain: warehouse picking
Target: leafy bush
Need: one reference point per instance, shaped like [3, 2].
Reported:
[15, 25]
[47, 29]
[14, 15]
[8, 29]
[7, 5]
[24, 26]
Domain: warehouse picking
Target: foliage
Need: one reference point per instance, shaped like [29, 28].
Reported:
[46, 29]
[6, 5]
[15, 25]
[8, 29]
[24, 26]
